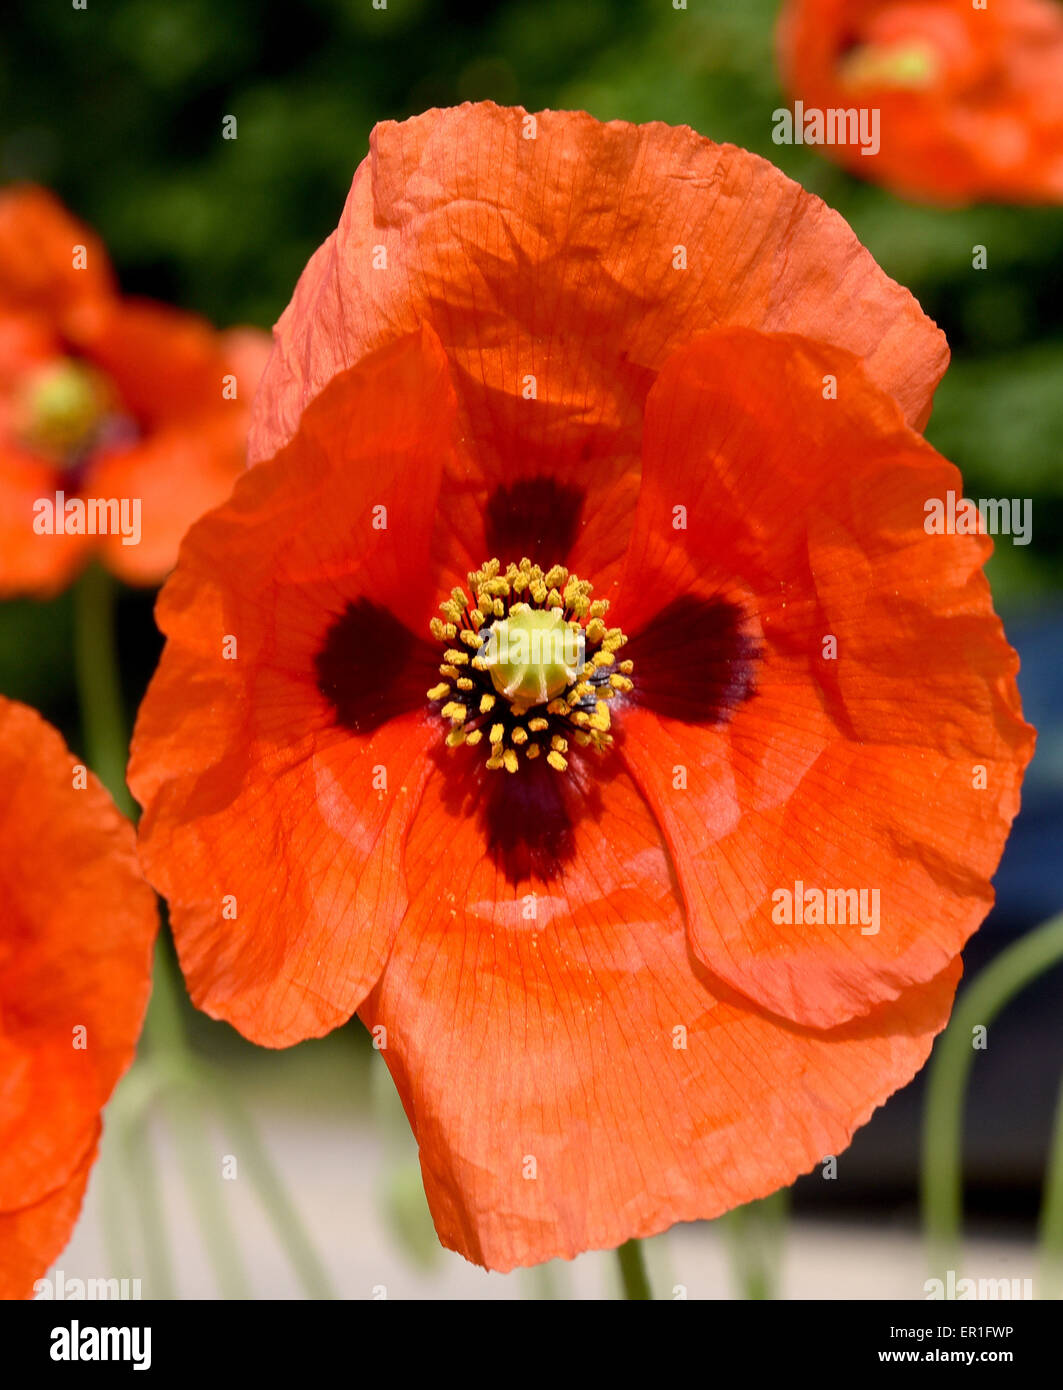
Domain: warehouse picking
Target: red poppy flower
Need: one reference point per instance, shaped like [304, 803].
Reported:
[78, 922]
[970, 99]
[547, 875]
[121, 420]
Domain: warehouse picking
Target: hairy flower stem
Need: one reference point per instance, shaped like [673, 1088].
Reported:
[754, 1234]
[633, 1277]
[98, 684]
[1050, 1282]
[941, 1170]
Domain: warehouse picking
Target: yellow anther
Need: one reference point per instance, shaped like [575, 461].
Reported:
[454, 711]
[538, 724]
[600, 718]
[487, 703]
[533, 750]
[464, 683]
[451, 671]
[455, 657]
[509, 760]
[556, 761]
[519, 736]
[438, 691]
[474, 738]
[559, 744]
[455, 738]
[471, 639]
[497, 730]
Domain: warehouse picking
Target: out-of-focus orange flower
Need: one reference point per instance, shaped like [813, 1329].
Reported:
[121, 420]
[970, 98]
[77, 923]
[551, 883]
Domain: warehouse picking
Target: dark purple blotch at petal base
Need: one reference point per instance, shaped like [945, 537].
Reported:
[696, 661]
[371, 668]
[535, 517]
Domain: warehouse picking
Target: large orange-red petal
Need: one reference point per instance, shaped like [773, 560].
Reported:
[277, 785]
[78, 923]
[548, 267]
[572, 1078]
[32, 1236]
[854, 772]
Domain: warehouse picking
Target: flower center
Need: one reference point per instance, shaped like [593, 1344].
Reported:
[903, 66]
[63, 410]
[529, 665]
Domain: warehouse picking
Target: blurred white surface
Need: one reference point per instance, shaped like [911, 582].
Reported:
[337, 1171]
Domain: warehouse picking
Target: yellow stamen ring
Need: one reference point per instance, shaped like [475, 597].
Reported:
[528, 663]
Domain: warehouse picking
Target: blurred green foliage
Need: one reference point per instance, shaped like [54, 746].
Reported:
[119, 108]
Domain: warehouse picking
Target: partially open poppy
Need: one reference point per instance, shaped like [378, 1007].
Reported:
[121, 420]
[506, 718]
[77, 923]
[969, 97]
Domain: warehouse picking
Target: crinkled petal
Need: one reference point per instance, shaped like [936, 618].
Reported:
[892, 768]
[545, 252]
[571, 1076]
[279, 750]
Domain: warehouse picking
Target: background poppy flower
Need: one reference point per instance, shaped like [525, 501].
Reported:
[573, 973]
[105, 397]
[78, 924]
[970, 98]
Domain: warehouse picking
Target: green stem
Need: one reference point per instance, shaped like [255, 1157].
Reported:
[164, 1026]
[202, 1174]
[633, 1276]
[98, 684]
[754, 1234]
[158, 1256]
[941, 1178]
[168, 1042]
[543, 1282]
[1050, 1283]
[274, 1198]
